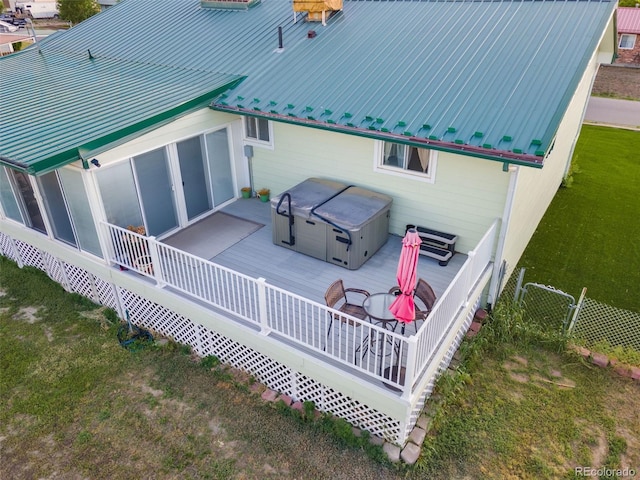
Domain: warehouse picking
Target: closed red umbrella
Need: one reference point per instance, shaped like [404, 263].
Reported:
[403, 307]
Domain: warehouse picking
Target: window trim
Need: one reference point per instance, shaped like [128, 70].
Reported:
[379, 167]
[633, 43]
[255, 141]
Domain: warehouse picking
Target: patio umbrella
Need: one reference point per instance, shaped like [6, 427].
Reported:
[403, 307]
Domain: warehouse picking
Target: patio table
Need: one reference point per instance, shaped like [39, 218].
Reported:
[377, 307]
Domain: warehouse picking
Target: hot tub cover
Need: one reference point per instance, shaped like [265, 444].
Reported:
[308, 194]
[353, 207]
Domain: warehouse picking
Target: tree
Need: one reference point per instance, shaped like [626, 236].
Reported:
[75, 11]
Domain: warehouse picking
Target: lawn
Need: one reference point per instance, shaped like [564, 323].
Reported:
[520, 406]
[590, 235]
[75, 404]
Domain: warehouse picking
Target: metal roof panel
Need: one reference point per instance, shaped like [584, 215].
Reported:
[628, 20]
[459, 74]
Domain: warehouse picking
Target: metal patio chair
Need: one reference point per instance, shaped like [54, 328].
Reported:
[336, 298]
[427, 297]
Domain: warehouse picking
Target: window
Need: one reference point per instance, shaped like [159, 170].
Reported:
[258, 131]
[406, 159]
[627, 41]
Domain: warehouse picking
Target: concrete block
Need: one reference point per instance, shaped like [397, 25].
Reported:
[424, 422]
[392, 451]
[599, 359]
[635, 373]
[410, 453]
[583, 352]
[298, 406]
[286, 399]
[475, 326]
[417, 435]
[375, 440]
[269, 395]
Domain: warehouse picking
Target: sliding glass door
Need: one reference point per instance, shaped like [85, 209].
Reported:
[156, 191]
[195, 177]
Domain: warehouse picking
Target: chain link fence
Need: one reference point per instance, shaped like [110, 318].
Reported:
[597, 323]
[586, 321]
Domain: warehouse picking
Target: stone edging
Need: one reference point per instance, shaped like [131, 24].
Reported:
[601, 360]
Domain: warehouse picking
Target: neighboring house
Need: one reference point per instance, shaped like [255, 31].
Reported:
[628, 35]
[440, 105]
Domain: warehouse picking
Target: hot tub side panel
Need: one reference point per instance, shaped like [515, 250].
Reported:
[365, 241]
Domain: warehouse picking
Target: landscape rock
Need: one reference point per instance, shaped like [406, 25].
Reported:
[392, 451]
[269, 395]
[417, 435]
[599, 359]
[410, 453]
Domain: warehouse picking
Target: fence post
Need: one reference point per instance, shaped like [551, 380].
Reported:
[263, 316]
[576, 312]
[519, 286]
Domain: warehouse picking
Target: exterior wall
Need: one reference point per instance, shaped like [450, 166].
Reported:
[535, 188]
[626, 55]
[466, 197]
[204, 120]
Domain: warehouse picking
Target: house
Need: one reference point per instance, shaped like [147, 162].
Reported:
[464, 113]
[628, 31]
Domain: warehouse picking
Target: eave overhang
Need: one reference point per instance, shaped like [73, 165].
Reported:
[96, 144]
[502, 156]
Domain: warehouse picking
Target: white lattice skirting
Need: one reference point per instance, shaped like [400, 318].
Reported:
[204, 342]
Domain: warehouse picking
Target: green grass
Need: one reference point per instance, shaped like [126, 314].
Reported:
[75, 404]
[589, 236]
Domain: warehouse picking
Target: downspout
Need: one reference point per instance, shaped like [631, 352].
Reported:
[504, 227]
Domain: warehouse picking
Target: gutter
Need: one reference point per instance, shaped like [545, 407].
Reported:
[498, 271]
[502, 156]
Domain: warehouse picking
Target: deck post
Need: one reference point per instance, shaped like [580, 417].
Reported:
[263, 317]
[471, 259]
[156, 269]
[410, 368]
[16, 252]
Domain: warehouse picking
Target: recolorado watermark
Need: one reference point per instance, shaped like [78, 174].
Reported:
[605, 472]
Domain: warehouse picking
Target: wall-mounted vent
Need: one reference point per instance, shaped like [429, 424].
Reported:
[317, 10]
[229, 4]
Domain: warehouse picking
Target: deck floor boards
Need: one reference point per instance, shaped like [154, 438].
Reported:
[257, 256]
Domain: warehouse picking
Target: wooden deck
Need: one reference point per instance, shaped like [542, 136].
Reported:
[257, 256]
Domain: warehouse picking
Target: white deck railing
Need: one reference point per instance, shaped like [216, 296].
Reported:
[350, 341]
[432, 332]
[358, 344]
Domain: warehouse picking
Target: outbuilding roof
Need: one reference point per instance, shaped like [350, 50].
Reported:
[628, 20]
[489, 78]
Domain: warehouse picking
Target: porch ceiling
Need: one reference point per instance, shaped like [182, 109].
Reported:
[83, 104]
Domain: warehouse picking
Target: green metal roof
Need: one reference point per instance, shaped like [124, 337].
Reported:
[489, 78]
[60, 107]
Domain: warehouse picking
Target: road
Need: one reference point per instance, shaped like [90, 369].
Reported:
[611, 111]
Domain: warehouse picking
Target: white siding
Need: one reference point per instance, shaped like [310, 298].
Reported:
[468, 193]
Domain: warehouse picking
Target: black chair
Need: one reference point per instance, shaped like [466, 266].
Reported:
[336, 298]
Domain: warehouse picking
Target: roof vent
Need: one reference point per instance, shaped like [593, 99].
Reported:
[229, 4]
[317, 10]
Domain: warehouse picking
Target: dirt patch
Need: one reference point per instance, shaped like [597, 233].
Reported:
[617, 81]
[29, 314]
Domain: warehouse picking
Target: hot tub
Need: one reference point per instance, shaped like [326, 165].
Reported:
[338, 223]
